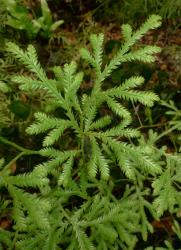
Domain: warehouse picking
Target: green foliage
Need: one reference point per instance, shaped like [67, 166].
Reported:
[166, 187]
[18, 17]
[5, 114]
[174, 125]
[68, 201]
[174, 111]
[125, 10]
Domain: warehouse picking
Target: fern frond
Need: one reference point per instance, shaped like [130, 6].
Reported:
[32, 241]
[108, 232]
[146, 98]
[122, 132]
[54, 135]
[86, 55]
[124, 160]
[100, 123]
[123, 221]
[36, 207]
[37, 178]
[83, 240]
[53, 153]
[118, 109]
[69, 71]
[56, 157]
[92, 165]
[90, 113]
[19, 215]
[97, 45]
[97, 204]
[51, 240]
[98, 161]
[29, 59]
[126, 32]
[166, 194]
[65, 177]
[30, 84]
[75, 84]
[152, 22]
[132, 82]
[27, 83]
[44, 123]
[146, 226]
[131, 158]
[103, 165]
[58, 72]
[145, 54]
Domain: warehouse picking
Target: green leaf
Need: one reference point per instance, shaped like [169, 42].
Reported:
[46, 13]
[56, 24]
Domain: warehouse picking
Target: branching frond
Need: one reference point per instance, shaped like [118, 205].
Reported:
[146, 98]
[89, 191]
[117, 108]
[97, 45]
[127, 32]
[36, 207]
[101, 123]
[65, 177]
[37, 178]
[166, 193]
[152, 22]
[145, 54]
[92, 165]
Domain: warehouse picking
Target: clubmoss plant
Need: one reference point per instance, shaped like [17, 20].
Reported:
[89, 193]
